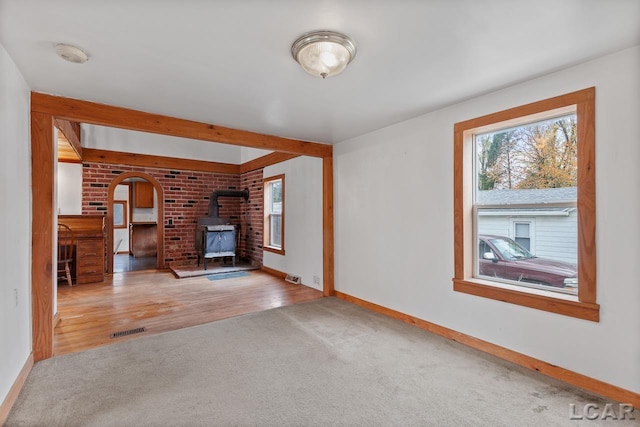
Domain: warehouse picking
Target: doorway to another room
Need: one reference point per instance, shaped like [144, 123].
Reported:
[136, 225]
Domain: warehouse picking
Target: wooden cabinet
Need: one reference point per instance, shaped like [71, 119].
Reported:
[143, 239]
[143, 195]
[88, 231]
[90, 260]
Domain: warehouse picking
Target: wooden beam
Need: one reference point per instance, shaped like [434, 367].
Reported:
[123, 118]
[76, 161]
[71, 131]
[327, 227]
[266, 160]
[42, 226]
[93, 155]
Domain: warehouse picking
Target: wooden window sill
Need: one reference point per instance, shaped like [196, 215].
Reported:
[540, 300]
[274, 250]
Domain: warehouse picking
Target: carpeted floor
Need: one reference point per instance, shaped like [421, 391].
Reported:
[322, 363]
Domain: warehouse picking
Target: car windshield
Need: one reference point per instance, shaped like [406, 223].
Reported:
[510, 250]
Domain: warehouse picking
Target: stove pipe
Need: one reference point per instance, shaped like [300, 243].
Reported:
[213, 200]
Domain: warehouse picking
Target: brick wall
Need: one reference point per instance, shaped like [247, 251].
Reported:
[186, 198]
[253, 214]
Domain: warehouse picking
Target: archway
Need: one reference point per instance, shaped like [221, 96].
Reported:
[160, 215]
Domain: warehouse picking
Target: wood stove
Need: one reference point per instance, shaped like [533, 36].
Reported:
[217, 241]
[215, 237]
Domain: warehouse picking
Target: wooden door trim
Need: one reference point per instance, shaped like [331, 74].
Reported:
[159, 215]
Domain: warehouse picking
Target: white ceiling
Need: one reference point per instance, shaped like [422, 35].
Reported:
[229, 62]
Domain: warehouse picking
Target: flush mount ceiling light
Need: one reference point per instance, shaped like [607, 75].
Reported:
[71, 53]
[323, 53]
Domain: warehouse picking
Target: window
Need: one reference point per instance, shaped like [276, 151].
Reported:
[120, 214]
[524, 214]
[522, 234]
[274, 214]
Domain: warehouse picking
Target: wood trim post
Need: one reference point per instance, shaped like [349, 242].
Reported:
[327, 227]
[42, 226]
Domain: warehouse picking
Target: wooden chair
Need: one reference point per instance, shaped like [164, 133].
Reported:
[66, 245]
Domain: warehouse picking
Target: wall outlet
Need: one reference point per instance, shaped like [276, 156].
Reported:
[316, 279]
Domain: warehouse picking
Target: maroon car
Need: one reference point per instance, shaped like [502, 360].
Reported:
[499, 256]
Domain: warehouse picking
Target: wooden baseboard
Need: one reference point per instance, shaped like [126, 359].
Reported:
[14, 391]
[591, 384]
[273, 272]
[56, 319]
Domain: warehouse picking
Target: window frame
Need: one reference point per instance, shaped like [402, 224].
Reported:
[266, 243]
[125, 214]
[583, 305]
[513, 227]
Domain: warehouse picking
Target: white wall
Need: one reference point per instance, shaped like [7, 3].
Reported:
[69, 181]
[15, 223]
[128, 141]
[394, 226]
[248, 153]
[302, 220]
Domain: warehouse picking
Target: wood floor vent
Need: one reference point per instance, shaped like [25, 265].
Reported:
[125, 333]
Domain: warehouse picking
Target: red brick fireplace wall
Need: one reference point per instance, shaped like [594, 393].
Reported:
[186, 198]
[253, 214]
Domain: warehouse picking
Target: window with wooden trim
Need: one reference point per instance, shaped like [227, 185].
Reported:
[120, 214]
[526, 177]
[274, 214]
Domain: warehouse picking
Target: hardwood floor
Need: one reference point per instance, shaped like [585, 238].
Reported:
[158, 302]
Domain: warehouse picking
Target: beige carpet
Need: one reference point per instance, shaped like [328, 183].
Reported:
[321, 363]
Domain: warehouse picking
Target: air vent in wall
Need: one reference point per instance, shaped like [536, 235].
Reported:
[296, 280]
[125, 333]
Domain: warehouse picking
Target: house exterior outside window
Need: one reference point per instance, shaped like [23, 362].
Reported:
[522, 234]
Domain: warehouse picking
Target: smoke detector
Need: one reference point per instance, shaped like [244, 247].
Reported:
[71, 53]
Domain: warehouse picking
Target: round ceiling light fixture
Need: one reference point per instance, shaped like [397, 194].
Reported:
[71, 53]
[323, 53]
